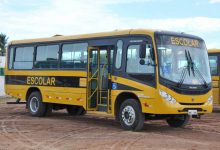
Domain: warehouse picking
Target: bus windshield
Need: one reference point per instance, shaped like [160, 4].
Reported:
[183, 60]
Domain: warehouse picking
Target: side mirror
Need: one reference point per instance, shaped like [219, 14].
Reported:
[142, 53]
[152, 53]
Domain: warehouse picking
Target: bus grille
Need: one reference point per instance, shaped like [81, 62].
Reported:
[192, 103]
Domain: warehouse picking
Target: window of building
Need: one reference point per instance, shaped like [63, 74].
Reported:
[23, 58]
[119, 54]
[74, 56]
[47, 57]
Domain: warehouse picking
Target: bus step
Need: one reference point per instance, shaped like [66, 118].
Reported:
[103, 91]
[104, 97]
[102, 108]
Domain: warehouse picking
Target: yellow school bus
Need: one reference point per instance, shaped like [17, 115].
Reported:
[132, 75]
[214, 57]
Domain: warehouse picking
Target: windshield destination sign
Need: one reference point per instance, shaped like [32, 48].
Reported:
[180, 41]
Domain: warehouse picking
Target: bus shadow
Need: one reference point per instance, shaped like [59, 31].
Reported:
[159, 127]
[106, 122]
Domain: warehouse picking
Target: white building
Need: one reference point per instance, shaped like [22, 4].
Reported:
[2, 78]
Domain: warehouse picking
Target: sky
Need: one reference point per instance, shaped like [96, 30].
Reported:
[26, 19]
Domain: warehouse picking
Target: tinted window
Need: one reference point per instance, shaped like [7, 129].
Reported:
[119, 54]
[23, 58]
[213, 60]
[47, 56]
[74, 56]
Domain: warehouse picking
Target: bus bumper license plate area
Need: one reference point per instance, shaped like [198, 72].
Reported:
[192, 112]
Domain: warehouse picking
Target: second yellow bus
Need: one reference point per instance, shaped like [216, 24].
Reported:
[214, 60]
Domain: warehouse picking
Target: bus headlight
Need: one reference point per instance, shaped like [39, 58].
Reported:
[210, 99]
[167, 97]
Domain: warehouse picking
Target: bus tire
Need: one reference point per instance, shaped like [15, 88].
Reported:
[81, 111]
[49, 109]
[72, 110]
[75, 110]
[178, 121]
[130, 115]
[36, 106]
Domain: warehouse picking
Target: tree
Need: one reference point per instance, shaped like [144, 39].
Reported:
[3, 43]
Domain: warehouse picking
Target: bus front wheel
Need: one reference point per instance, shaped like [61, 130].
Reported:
[130, 115]
[178, 121]
[35, 105]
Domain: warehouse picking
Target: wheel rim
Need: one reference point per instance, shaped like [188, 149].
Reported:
[128, 115]
[34, 104]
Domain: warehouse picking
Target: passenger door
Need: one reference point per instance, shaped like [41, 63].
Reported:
[100, 61]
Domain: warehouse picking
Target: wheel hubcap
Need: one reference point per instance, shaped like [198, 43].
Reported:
[34, 104]
[128, 115]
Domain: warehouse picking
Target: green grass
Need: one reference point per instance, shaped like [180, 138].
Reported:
[1, 71]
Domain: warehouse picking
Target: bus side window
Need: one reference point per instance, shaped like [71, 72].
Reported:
[143, 72]
[11, 58]
[133, 61]
[74, 56]
[119, 54]
[213, 60]
[47, 57]
[24, 58]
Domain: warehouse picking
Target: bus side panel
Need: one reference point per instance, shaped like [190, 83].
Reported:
[215, 89]
[18, 91]
[64, 95]
[144, 93]
[68, 96]
[152, 103]
[65, 89]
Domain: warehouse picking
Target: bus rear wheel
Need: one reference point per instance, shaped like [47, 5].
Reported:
[178, 121]
[35, 105]
[130, 115]
[75, 110]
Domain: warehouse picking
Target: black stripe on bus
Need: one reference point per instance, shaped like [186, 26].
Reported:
[54, 81]
[126, 87]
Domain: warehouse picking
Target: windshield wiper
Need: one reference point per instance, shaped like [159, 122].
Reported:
[191, 64]
[194, 68]
[201, 77]
[183, 73]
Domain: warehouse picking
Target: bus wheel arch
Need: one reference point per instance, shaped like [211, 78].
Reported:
[121, 98]
[30, 90]
[46, 107]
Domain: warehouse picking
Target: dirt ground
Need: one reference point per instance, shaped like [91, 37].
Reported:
[59, 131]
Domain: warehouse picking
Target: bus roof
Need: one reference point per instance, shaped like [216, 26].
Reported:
[214, 50]
[96, 35]
[84, 36]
